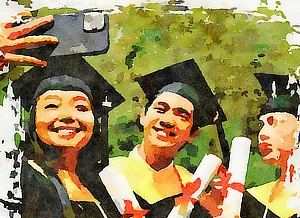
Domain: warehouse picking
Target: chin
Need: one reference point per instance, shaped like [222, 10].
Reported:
[272, 160]
[160, 143]
[64, 145]
[67, 143]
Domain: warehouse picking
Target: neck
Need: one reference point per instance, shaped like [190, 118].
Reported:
[68, 160]
[282, 162]
[157, 157]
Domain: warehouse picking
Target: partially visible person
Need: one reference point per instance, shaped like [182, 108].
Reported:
[65, 150]
[279, 146]
[180, 103]
[13, 37]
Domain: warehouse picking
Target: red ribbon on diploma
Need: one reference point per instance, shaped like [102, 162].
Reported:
[187, 191]
[131, 212]
[225, 177]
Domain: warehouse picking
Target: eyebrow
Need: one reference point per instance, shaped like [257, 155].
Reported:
[53, 97]
[164, 104]
[79, 98]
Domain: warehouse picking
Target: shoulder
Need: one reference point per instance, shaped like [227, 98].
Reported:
[261, 196]
[251, 207]
[40, 200]
[117, 163]
[115, 169]
[184, 174]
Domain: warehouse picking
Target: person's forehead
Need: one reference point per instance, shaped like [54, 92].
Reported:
[60, 95]
[280, 116]
[174, 101]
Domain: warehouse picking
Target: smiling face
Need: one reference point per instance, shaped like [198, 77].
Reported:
[64, 118]
[168, 121]
[279, 134]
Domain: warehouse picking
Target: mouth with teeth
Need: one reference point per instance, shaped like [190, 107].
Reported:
[164, 134]
[66, 132]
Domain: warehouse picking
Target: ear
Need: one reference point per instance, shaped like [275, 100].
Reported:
[142, 117]
[194, 135]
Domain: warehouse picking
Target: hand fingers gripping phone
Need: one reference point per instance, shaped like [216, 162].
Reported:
[84, 33]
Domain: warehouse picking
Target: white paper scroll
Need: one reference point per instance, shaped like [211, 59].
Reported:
[205, 171]
[118, 188]
[237, 167]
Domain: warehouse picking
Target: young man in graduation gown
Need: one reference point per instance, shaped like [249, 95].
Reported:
[180, 102]
[279, 146]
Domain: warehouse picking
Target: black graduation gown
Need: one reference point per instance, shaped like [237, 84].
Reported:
[46, 198]
[162, 208]
[252, 208]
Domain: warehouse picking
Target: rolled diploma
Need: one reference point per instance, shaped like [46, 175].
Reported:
[239, 156]
[118, 188]
[205, 171]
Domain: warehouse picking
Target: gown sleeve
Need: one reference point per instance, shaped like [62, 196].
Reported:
[252, 208]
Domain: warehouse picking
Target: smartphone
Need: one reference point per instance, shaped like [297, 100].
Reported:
[84, 33]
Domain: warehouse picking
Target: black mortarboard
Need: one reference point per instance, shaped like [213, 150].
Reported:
[282, 92]
[185, 79]
[67, 73]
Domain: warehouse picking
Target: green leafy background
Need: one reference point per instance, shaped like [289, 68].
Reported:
[229, 48]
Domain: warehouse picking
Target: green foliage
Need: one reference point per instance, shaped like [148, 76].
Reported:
[229, 48]
[46, 11]
[13, 74]
[13, 174]
[154, 35]
[26, 3]
[258, 172]
[124, 135]
[17, 139]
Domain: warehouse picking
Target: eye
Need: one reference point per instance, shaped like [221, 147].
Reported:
[160, 110]
[185, 116]
[182, 113]
[81, 108]
[51, 106]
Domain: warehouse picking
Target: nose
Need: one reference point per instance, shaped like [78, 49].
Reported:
[166, 124]
[67, 120]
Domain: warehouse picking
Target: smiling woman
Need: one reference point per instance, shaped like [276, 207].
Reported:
[64, 118]
[65, 149]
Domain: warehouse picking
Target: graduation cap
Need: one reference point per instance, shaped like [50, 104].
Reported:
[282, 92]
[67, 73]
[186, 79]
